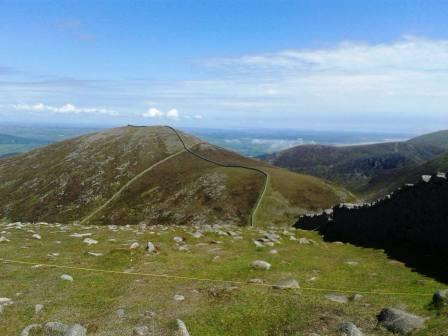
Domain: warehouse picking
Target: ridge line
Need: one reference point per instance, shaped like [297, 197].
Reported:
[265, 175]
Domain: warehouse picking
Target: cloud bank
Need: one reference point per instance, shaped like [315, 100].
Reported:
[67, 108]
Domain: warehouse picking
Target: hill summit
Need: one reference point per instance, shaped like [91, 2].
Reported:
[153, 175]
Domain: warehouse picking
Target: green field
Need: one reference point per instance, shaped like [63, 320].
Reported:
[210, 307]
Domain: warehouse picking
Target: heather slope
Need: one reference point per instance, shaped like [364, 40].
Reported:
[130, 175]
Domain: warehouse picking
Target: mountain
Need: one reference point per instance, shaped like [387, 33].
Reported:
[355, 167]
[153, 175]
[388, 182]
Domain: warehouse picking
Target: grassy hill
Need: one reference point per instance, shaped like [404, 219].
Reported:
[131, 175]
[355, 167]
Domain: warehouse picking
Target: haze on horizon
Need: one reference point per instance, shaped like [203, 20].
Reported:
[351, 65]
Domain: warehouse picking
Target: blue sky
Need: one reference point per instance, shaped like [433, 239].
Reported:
[352, 65]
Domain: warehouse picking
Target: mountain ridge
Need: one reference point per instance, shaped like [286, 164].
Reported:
[69, 180]
[355, 167]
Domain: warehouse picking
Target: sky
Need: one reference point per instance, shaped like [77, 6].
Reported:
[326, 65]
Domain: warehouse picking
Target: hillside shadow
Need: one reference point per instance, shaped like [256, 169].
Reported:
[431, 265]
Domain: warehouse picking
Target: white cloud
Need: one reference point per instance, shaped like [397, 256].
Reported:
[152, 113]
[67, 108]
[409, 53]
[274, 145]
[172, 114]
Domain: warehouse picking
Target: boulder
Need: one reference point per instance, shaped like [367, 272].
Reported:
[440, 298]
[337, 298]
[134, 245]
[179, 297]
[120, 312]
[261, 265]
[150, 247]
[38, 308]
[399, 321]
[76, 330]
[3, 239]
[90, 241]
[36, 236]
[183, 331]
[66, 277]
[286, 284]
[349, 329]
[141, 331]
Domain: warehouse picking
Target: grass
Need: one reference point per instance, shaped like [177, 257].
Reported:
[210, 308]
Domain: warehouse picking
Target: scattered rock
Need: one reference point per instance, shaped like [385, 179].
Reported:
[76, 330]
[150, 247]
[141, 331]
[5, 302]
[399, 321]
[351, 263]
[261, 264]
[356, 297]
[183, 331]
[179, 297]
[440, 298]
[197, 234]
[274, 251]
[95, 254]
[303, 241]
[184, 248]
[32, 329]
[38, 308]
[255, 281]
[3, 239]
[66, 277]
[36, 236]
[349, 329]
[178, 239]
[286, 284]
[80, 235]
[258, 243]
[134, 245]
[90, 241]
[120, 312]
[337, 298]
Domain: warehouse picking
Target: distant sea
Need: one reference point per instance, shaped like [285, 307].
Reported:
[251, 142]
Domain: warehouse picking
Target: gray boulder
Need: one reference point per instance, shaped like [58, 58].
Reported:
[349, 329]
[440, 298]
[399, 321]
[261, 264]
[182, 328]
[337, 298]
[286, 284]
[141, 331]
[76, 330]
